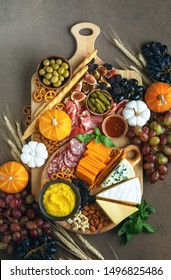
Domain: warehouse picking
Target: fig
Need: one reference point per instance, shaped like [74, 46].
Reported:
[77, 86]
[78, 96]
[102, 70]
[89, 79]
[96, 75]
[104, 80]
[91, 87]
[110, 73]
[85, 88]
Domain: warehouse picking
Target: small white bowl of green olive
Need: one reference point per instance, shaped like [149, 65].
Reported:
[54, 72]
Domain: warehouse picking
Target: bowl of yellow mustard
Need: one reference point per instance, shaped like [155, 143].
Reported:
[59, 200]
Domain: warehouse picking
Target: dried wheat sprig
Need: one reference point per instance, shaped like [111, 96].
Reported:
[65, 233]
[90, 247]
[141, 58]
[13, 147]
[12, 131]
[75, 251]
[124, 49]
[113, 251]
[19, 132]
[14, 155]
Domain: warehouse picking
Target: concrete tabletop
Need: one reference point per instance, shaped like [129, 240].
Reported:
[30, 30]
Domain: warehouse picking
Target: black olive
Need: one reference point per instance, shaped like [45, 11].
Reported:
[139, 89]
[128, 95]
[136, 96]
[120, 98]
[124, 82]
[133, 82]
[130, 88]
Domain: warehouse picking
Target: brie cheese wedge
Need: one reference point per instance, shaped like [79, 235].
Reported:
[126, 192]
[123, 171]
[115, 211]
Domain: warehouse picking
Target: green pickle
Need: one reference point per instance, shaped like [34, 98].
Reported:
[92, 100]
[99, 108]
[90, 105]
[101, 104]
[94, 94]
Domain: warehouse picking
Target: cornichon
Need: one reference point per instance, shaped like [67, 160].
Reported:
[92, 100]
[99, 108]
[91, 106]
[107, 95]
[93, 94]
[101, 104]
[103, 98]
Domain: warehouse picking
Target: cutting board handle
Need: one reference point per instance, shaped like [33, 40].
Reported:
[132, 154]
[85, 34]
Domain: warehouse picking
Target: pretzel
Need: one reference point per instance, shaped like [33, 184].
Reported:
[37, 96]
[59, 106]
[36, 83]
[27, 122]
[49, 95]
[27, 110]
[28, 118]
[66, 170]
[42, 91]
[58, 175]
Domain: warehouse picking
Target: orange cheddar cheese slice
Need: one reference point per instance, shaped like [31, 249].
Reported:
[99, 148]
[83, 174]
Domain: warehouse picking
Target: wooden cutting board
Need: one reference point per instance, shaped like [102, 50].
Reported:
[84, 45]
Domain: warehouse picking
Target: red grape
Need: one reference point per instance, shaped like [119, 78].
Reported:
[154, 177]
[3, 227]
[8, 198]
[162, 177]
[136, 141]
[149, 171]
[145, 150]
[24, 219]
[167, 118]
[163, 168]
[15, 202]
[31, 225]
[10, 249]
[15, 227]
[150, 158]
[130, 133]
[16, 236]
[144, 136]
[6, 238]
[34, 233]
[16, 213]
[148, 165]
[30, 213]
[137, 130]
[39, 222]
[2, 203]
[163, 139]
[152, 133]
[146, 129]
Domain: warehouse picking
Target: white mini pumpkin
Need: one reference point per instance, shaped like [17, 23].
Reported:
[34, 154]
[136, 113]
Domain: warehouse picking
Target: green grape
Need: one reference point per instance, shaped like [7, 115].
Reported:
[167, 118]
[158, 128]
[161, 159]
[167, 150]
[154, 141]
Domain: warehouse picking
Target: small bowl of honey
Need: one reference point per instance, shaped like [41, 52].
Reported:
[114, 126]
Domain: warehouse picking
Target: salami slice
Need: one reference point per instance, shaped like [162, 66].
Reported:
[77, 147]
[71, 156]
[68, 162]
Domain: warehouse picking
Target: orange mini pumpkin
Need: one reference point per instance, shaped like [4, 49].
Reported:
[158, 97]
[55, 124]
[13, 177]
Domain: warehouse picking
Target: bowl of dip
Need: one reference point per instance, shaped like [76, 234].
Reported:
[114, 126]
[59, 200]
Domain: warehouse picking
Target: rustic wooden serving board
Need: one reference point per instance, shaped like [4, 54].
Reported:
[84, 45]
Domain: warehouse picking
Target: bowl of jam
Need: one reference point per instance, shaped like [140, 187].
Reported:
[114, 126]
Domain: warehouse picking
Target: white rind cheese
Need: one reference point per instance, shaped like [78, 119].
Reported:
[128, 191]
[123, 171]
[115, 211]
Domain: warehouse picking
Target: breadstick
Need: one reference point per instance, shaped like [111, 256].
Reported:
[32, 127]
[85, 61]
[80, 66]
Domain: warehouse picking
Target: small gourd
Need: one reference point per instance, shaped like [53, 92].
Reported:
[55, 124]
[158, 97]
[34, 154]
[13, 177]
[136, 113]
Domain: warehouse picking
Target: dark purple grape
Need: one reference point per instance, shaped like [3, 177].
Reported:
[163, 139]
[145, 150]
[163, 168]
[150, 158]
[16, 213]
[30, 213]
[2, 203]
[154, 177]
[15, 227]
[16, 236]
[7, 238]
[31, 225]
[15, 202]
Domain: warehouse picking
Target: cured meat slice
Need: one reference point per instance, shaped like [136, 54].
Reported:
[77, 147]
[68, 162]
[71, 156]
[88, 122]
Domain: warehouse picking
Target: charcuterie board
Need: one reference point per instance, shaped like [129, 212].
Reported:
[84, 45]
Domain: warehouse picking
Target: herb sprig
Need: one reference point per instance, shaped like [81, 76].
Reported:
[136, 223]
[97, 136]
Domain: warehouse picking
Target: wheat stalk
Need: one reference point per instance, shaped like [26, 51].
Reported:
[12, 131]
[19, 133]
[75, 251]
[121, 46]
[90, 247]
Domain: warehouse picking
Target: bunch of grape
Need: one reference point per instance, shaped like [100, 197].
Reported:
[19, 219]
[158, 61]
[154, 141]
[41, 248]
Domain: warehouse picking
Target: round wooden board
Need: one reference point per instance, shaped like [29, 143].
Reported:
[84, 45]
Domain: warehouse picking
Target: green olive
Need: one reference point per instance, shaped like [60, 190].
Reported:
[52, 61]
[57, 84]
[42, 72]
[55, 73]
[61, 70]
[61, 78]
[66, 74]
[46, 62]
[59, 61]
[46, 82]
[54, 79]
[65, 65]
[55, 66]
[48, 76]
[49, 69]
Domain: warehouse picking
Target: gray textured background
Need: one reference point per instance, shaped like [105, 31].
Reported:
[30, 30]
